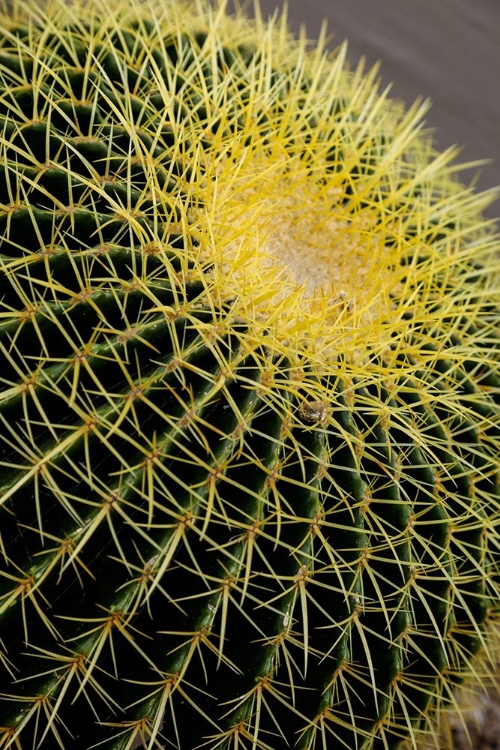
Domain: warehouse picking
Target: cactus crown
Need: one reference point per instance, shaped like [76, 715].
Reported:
[249, 392]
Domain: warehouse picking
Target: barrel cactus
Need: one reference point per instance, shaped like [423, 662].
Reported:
[249, 391]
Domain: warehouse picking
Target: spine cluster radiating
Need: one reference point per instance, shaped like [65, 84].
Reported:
[249, 392]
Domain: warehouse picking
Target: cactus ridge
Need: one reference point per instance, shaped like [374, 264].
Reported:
[249, 392]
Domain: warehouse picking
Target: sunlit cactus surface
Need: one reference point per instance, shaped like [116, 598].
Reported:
[249, 392]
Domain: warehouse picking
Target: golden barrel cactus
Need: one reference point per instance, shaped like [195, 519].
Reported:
[249, 391]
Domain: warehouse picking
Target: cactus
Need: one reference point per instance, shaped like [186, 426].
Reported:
[249, 413]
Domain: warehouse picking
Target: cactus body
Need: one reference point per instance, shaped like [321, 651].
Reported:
[249, 420]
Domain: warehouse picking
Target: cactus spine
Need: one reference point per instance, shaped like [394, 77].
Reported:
[249, 392]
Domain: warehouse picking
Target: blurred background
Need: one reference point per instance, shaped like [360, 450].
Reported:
[448, 50]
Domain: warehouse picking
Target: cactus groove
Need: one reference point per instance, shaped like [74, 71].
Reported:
[249, 392]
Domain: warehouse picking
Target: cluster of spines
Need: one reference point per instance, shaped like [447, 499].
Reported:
[129, 342]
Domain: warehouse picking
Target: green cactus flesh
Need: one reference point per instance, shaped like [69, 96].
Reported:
[249, 413]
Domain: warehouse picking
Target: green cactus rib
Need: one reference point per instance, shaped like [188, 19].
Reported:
[214, 531]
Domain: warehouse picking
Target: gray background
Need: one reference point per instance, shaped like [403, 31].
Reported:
[448, 50]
